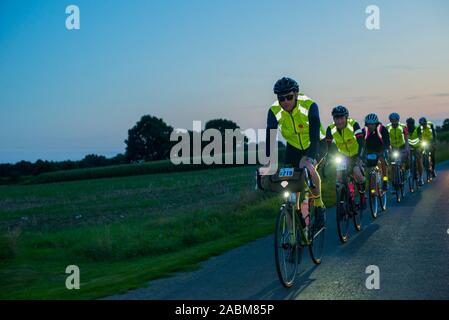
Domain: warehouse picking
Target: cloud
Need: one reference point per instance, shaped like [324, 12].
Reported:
[445, 94]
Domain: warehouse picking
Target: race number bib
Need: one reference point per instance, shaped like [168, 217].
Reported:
[286, 172]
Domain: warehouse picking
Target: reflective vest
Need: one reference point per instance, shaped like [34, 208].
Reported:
[426, 133]
[294, 125]
[345, 139]
[378, 130]
[413, 139]
[397, 137]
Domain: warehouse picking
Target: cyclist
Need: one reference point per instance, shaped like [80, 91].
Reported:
[298, 119]
[399, 136]
[414, 142]
[348, 138]
[377, 140]
[426, 133]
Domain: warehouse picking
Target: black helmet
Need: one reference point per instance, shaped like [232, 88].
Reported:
[285, 85]
[410, 121]
[339, 111]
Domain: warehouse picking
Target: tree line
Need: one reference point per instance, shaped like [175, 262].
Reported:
[148, 140]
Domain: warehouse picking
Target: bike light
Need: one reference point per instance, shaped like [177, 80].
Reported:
[286, 194]
[396, 154]
[425, 144]
[338, 159]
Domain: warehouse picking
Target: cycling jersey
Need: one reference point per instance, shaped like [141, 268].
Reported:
[427, 133]
[398, 135]
[301, 127]
[349, 140]
[377, 141]
[413, 137]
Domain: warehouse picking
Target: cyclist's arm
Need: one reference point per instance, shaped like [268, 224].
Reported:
[360, 138]
[434, 134]
[419, 133]
[386, 138]
[314, 130]
[406, 137]
[329, 138]
[272, 123]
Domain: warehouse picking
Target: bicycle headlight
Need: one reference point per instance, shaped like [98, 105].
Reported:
[425, 144]
[338, 159]
[286, 194]
[396, 154]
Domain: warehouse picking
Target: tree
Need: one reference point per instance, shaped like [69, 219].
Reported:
[93, 160]
[149, 139]
[221, 125]
[120, 158]
[445, 126]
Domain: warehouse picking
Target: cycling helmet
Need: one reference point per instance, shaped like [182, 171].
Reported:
[394, 116]
[422, 121]
[285, 85]
[371, 119]
[410, 121]
[339, 111]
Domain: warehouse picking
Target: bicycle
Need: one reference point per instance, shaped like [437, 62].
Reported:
[427, 161]
[413, 177]
[398, 175]
[295, 229]
[376, 194]
[349, 200]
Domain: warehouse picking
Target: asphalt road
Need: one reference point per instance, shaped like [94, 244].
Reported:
[409, 243]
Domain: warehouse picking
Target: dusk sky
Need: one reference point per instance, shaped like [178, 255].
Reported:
[66, 93]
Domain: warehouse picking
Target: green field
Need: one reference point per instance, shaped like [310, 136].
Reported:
[124, 231]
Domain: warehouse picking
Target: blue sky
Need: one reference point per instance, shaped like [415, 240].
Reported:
[64, 94]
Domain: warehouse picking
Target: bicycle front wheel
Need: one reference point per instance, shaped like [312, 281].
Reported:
[358, 211]
[373, 190]
[286, 249]
[317, 235]
[342, 214]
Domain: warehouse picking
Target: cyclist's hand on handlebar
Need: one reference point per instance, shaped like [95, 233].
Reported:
[311, 161]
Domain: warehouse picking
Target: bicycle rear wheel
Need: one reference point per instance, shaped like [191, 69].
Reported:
[286, 249]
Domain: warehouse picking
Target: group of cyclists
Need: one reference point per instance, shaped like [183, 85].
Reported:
[395, 148]
[298, 119]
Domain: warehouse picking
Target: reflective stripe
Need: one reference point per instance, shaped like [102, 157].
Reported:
[350, 127]
[303, 97]
[322, 135]
[359, 131]
[303, 110]
[379, 134]
[334, 130]
[278, 115]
